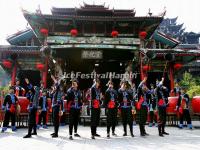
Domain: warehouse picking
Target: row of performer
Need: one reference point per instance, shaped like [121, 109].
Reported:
[127, 99]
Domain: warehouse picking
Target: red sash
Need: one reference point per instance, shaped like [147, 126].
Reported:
[12, 108]
[139, 104]
[17, 92]
[180, 110]
[111, 104]
[161, 102]
[96, 103]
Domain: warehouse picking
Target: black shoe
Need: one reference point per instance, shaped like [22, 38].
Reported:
[132, 134]
[97, 135]
[27, 136]
[108, 136]
[146, 134]
[125, 134]
[142, 134]
[161, 135]
[77, 135]
[113, 134]
[93, 137]
[165, 133]
[54, 136]
[34, 133]
[70, 137]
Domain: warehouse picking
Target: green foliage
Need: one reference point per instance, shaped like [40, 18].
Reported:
[191, 83]
[4, 90]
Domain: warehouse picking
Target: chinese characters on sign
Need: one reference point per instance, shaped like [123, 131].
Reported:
[92, 54]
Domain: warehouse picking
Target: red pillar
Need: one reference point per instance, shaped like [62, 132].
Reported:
[14, 72]
[45, 72]
[141, 68]
[171, 74]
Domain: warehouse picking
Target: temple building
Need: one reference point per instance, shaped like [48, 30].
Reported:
[93, 38]
[170, 27]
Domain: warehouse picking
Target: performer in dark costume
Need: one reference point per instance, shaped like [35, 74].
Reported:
[95, 107]
[143, 95]
[183, 108]
[74, 101]
[162, 94]
[57, 106]
[152, 108]
[19, 91]
[126, 102]
[177, 89]
[111, 104]
[42, 109]
[10, 108]
[33, 97]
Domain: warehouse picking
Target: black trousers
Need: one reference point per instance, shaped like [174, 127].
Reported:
[143, 115]
[8, 116]
[162, 119]
[162, 115]
[56, 119]
[95, 118]
[153, 117]
[74, 116]
[43, 117]
[185, 115]
[111, 119]
[127, 118]
[32, 121]
[142, 119]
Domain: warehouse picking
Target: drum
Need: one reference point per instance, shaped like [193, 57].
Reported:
[23, 103]
[172, 105]
[196, 104]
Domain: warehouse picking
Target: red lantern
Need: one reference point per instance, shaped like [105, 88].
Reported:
[40, 66]
[44, 31]
[74, 32]
[142, 34]
[114, 33]
[146, 68]
[178, 66]
[7, 63]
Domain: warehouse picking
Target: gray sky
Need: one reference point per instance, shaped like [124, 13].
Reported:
[12, 20]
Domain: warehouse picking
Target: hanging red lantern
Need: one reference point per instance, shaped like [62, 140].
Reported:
[146, 68]
[74, 32]
[7, 63]
[40, 66]
[114, 33]
[142, 34]
[44, 31]
[178, 66]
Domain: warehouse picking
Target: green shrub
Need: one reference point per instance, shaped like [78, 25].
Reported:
[191, 83]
